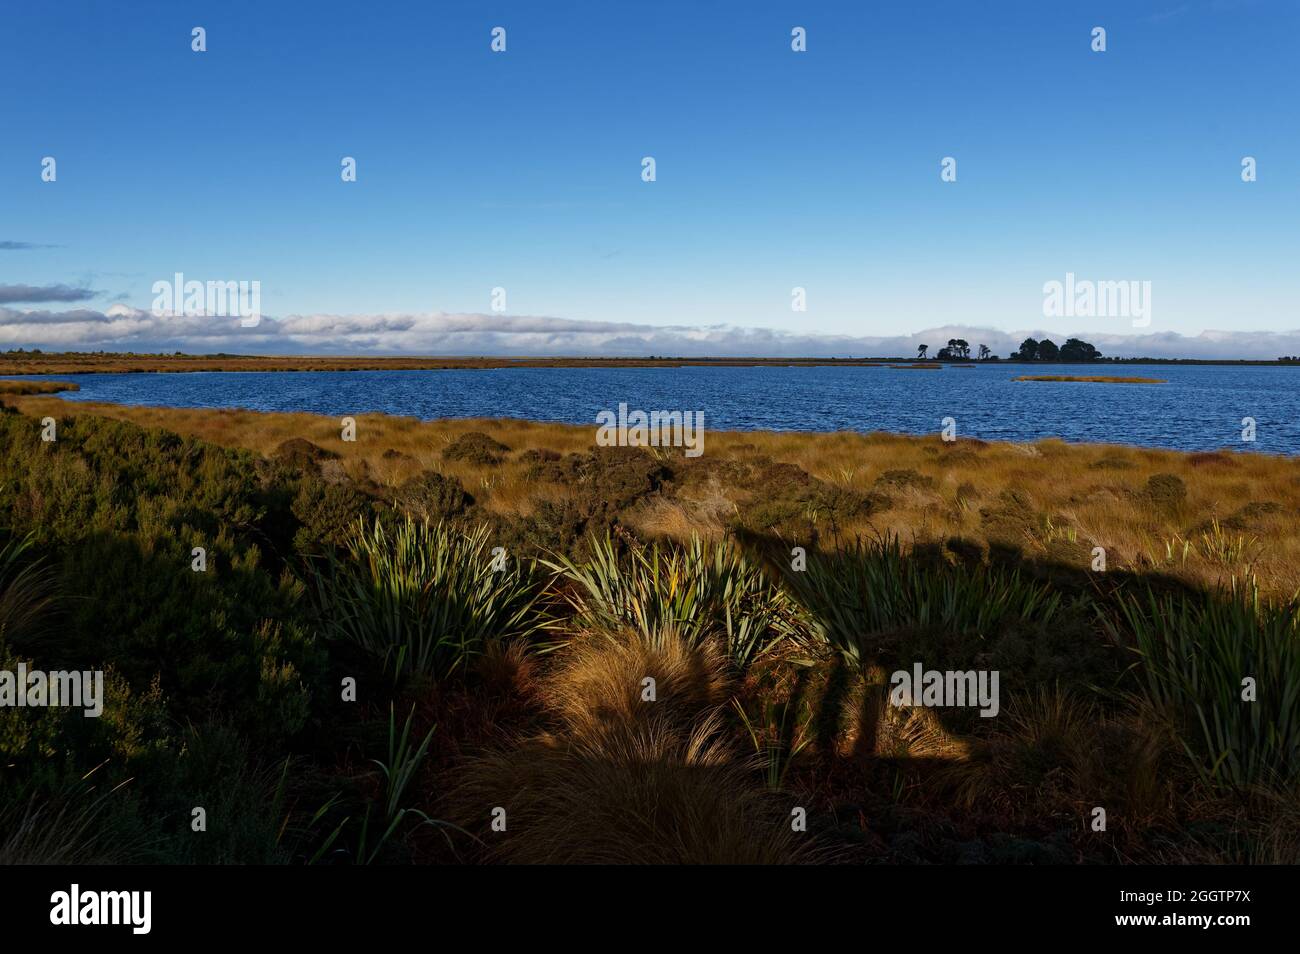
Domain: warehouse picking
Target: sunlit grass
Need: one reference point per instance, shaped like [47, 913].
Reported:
[1094, 494]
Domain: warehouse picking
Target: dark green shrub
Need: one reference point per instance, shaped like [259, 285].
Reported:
[476, 448]
[433, 497]
[904, 480]
[1112, 462]
[326, 511]
[302, 454]
[790, 500]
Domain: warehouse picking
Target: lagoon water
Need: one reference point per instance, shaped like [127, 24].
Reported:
[1199, 408]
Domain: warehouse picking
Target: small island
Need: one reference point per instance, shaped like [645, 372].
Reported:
[1089, 380]
[37, 387]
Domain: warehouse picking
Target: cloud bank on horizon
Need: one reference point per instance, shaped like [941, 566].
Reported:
[124, 328]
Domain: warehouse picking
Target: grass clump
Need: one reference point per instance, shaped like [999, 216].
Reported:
[625, 781]
[1225, 668]
[875, 588]
[426, 599]
[702, 593]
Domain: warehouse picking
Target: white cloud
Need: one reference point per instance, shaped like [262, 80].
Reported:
[122, 328]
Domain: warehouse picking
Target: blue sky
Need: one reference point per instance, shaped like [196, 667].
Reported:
[775, 169]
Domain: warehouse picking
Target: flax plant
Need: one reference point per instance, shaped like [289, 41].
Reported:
[427, 598]
[702, 591]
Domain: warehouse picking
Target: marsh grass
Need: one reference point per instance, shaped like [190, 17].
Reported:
[1102, 489]
[875, 587]
[66, 830]
[1196, 654]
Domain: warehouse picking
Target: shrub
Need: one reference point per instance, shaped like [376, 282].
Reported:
[1113, 462]
[904, 480]
[1253, 514]
[99, 472]
[303, 454]
[605, 483]
[789, 498]
[431, 497]
[613, 478]
[203, 635]
[548, 466]
[326, 512]
[559, 527]
[476, 447]
[1010, 517]
[1166, 490]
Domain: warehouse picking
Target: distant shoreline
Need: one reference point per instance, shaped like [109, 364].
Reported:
[22, 363]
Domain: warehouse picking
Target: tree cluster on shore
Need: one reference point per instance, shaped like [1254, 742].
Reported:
[1074, 349]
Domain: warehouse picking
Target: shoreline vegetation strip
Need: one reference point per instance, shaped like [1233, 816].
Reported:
[21, 363]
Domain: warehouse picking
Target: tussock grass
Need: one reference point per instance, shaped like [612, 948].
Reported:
[1057, 753]
[628, 781]
[598, 685]
[26, 592]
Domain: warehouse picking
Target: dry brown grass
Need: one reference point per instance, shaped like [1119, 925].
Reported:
[1060, 755]
[627, 781]
[874, 728]
[598, 687]
[1055, 501]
